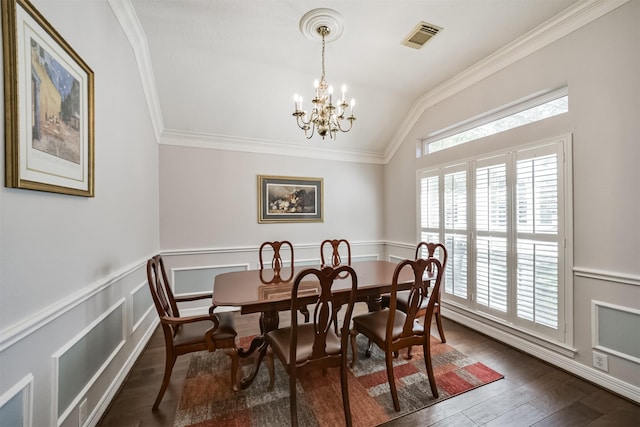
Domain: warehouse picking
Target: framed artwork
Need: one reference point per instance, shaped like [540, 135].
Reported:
[49, 106]
[290, 199]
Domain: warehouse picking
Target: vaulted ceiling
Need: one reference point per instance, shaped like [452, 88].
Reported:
[223, 73]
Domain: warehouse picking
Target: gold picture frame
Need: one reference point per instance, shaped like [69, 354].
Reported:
[290, 199]
[49, 106]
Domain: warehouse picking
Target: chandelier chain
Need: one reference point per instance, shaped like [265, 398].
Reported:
[323, 31]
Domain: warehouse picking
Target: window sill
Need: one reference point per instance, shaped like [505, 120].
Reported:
[537, 346]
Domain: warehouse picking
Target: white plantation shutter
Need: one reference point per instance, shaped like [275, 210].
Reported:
[491, 236]
[538, 282]
[538, 237]
[430, 204]
[456, 231]
[430, 208]
[513, 207]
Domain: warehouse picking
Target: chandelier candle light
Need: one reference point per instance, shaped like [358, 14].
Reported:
[326, 118]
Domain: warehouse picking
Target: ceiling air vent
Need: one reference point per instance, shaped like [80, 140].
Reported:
[421, 34]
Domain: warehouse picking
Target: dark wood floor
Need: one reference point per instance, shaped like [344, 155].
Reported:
[532, 393]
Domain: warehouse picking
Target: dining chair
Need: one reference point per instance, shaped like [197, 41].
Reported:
[424, 250]
[336, 246]
[277, 262]
[315, 344]
[188, 334]
[392, 330]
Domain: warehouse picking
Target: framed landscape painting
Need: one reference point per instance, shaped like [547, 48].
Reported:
[49, 106]
[290, 199]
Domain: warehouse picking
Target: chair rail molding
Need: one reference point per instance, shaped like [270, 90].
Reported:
[21, 330]
[607, 275]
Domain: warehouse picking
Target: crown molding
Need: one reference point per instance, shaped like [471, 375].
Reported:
[564, 23]
[263, 146]
[128, 19]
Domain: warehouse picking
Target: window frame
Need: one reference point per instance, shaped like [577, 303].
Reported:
[563, 336]
[512, 108]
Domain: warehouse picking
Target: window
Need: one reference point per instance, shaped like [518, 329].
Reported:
[535, 108]
[501, 218]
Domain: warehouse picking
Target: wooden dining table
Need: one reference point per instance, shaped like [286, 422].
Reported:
[269, 291]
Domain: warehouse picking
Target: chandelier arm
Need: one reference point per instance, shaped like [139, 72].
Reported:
[351, 119]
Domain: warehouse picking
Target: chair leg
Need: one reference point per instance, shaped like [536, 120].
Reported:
[354, 349]
[440, 329]
[270, 367]
[426, 348]
[233, 354]
[168, 367]
[345, 392]
[368, 350]
[305, 311]
[409, 353]
[292, 400]
[392, 382]
[335, 323]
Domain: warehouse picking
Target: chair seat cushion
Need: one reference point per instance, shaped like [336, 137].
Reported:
[280, 341]
[193, 333]
[375, 324]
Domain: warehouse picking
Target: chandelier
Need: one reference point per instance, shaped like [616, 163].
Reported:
[325, 118]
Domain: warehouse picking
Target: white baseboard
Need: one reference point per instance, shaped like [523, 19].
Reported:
[587, 373]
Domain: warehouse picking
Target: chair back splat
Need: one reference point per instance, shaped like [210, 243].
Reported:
[276, 261]
[184, 335]
[402, 329]
[316, 344]
[336, 248]
[424, 250]
[431, 252]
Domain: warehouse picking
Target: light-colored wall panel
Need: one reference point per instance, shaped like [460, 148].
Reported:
[79, 362]
[141, 305]
[198, 279]
[16, 404]
[616, 329]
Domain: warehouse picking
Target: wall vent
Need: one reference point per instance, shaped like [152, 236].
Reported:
[420, 35]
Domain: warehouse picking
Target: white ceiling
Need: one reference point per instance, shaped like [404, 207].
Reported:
[228, 69]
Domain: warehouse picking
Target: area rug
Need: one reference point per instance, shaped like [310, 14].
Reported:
[208, 400]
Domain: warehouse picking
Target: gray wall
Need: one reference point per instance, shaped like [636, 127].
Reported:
[71, 267]
[225, 212]
[601, 65]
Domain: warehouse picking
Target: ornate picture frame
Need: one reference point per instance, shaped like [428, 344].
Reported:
[49, 106]
[290, 199]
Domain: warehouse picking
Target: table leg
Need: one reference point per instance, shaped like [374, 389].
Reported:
[269, 321]
[374, 303]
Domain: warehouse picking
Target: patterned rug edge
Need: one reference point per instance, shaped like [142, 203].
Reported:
[207, 399]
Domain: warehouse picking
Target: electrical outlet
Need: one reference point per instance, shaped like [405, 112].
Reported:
[600, 361]
[82, 413]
